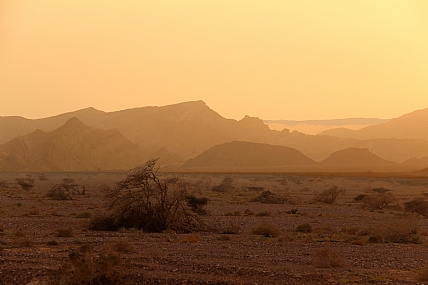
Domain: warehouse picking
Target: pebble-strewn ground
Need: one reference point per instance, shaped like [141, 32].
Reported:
[32, 252]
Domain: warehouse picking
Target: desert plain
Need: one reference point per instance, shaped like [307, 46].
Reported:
[292, 237]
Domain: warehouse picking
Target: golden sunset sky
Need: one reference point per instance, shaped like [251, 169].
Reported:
[270, 59]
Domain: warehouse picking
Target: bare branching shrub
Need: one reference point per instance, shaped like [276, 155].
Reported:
[418, 205]
[328, 258]
[86, 266]
[329, 196]
[381, 199]
[266, 230]
[65, 191]
[144, 202]
[26, 183]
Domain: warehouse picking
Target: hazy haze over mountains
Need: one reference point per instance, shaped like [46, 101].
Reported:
[182, 131]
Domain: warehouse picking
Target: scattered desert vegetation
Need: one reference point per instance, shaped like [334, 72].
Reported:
[149, 227]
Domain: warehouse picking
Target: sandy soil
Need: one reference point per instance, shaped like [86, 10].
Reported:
[32, 252]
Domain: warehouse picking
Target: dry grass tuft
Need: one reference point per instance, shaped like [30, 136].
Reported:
[304, 228]
[266, 230]
[68, 232]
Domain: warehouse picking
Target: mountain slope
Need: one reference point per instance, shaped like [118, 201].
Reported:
[72, 147]
[409, 126]
[248, 155]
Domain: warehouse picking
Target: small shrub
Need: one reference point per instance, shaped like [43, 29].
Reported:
[223, 237]
[304, 228]
[358, 242]
[68, 180]
[224, 186]
[4, 184]
[329, 196]
[52, 243]
[235, 213]
[26, 183]
[266, 230]
[64, 232]
[19, 234]
[401, 231]
[267, 197]
[264, 214]
[43, 177]
[192, 238]
[227, 228]
[122, 246]
[418, 205]
[328, 258]
[376, 239]
[360, 198]
[24, 242]
[83, 215]
[87, 267]
[197, 204]
[248, 212]
[381, 199]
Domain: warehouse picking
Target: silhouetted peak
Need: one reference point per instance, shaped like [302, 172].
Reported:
[73, 123]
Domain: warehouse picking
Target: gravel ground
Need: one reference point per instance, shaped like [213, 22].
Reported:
[29, 225]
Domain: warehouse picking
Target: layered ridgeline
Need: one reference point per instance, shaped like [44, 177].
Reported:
[72, 147]
[409, 126]
[182, 131]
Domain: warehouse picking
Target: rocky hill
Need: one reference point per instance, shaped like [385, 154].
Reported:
[245, 155]
[354, 155]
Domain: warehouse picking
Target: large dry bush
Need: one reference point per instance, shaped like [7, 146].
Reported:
[418, 205]
[143, 201]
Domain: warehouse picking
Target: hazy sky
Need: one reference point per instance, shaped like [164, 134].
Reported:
[271, 59]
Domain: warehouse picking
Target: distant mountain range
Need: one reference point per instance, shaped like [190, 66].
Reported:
[408, 126]
[177, 133]
[314, 127]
